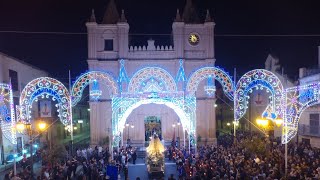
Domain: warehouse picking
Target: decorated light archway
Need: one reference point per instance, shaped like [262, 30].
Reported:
[211, 73]
[122, 108]
[152, 79]
[93, 77]
[45, 87]
[152, 85]
[297, 100]
[259, 79]
[7, 118]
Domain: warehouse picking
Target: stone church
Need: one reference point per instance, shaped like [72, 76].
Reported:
[109, 50]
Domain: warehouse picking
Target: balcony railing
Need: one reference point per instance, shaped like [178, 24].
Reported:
[308, 130]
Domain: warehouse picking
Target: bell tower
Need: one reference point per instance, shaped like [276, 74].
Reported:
[107, 48]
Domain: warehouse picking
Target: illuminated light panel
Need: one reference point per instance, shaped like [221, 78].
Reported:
[297, 99]
[220, 75]
[210, 88]
[7, 118]
[95, 92]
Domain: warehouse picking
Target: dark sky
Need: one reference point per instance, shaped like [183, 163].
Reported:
[57, 53]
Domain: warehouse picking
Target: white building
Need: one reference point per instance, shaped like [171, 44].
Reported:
[309, 124]
[108, 47]
[260, 98]
[20, 74]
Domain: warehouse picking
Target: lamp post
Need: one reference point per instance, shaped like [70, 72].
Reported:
[127, 125]
[174, 128]
[278, 122]
[228, 124]
[178, 137]
[41, 126]
[132, 126]
[235, 124]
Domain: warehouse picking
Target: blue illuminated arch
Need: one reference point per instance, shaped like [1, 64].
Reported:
[205, 72]
[85, 79]
[259, 79]
[45, 87]
[160, 77]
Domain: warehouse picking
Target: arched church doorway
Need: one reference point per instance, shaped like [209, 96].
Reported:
[147, 119]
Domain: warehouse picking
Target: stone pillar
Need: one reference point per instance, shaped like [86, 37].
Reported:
[211, 116]
[94, 123]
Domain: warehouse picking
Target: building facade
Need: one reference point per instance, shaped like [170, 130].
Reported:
[309, 124]
[19, 74]
[109, 50]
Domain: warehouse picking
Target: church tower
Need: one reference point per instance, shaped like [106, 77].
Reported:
[107, 50]
[193, 40]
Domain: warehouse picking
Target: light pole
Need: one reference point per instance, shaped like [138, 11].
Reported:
[28, 127]
[127, 125]
[228, 124]
[178, 134]
[132, 126]
[174, 129]
[278, 122]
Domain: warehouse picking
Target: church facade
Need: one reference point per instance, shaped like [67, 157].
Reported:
[149, 73]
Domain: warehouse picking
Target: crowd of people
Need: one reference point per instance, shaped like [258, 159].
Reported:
[87, 163]
[229, 159]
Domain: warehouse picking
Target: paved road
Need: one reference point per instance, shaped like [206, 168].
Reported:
[36, 170]
[140, 170]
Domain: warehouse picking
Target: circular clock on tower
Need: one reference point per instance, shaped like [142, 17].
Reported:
[194, 39]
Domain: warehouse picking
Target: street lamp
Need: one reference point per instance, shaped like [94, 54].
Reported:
[174, 128]
[20, 126]
[278, 123]
[178, 134]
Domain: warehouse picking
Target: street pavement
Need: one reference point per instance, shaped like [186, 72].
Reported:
[140, 170]
[135, 170]
[36, 170]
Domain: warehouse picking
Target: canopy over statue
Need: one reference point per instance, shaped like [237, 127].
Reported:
[155, 157]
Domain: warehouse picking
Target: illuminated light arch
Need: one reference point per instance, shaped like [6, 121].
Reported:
[297, 100]
[45, 87]
[259, 79]
[123, 106]
[205, 72]
[7, 118]
[156, 78]
[85, 79]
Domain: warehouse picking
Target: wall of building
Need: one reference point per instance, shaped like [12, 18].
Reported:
[26, 73]
[164, 56]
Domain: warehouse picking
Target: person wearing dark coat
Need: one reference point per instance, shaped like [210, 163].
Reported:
[134, 157]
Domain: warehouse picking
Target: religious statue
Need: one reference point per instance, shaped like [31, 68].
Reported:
[155, 157]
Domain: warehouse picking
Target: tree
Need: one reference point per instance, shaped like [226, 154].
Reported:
[56, 154]
[254, 146]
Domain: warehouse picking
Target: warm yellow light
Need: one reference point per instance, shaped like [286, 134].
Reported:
[42, 126]
[262, 122]
[75, 128]
[278, 122]
[236, 123]
[228, 124]
[20, 127]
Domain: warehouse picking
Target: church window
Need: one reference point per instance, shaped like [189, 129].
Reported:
[108, 44]
[13, 75]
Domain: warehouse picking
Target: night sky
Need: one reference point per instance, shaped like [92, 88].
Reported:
[56, 53]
